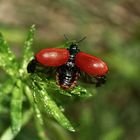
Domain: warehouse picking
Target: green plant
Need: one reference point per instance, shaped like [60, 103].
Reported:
[34, 89]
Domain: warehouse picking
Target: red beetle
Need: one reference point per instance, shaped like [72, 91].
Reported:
[70, 63]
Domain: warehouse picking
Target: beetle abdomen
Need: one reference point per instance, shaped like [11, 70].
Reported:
[68, 73]
[67, 78]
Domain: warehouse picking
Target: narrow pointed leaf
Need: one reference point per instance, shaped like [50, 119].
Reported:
[32, 101]
[16, 107]
[39, 123]
[49, 105]
[27, 54]
[5, 88]
[37, 115]
[52, 109]
[7, 58]
[82, 92]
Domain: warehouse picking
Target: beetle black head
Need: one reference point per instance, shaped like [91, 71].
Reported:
[73, 45]
[73, 48]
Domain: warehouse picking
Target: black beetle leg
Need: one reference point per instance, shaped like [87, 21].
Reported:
[32, 66]
[100, 80]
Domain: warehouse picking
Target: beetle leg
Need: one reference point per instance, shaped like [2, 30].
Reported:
[100, 80]
[57, 78]
[32, 66]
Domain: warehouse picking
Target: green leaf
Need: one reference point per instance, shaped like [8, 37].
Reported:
[7, 58]
[5, 88]
[37, 115]
[79, 91]
[8, 134]
[39, 123]
[43, 98]
[32, 101]
[82, 92]
[27, 54]
[16, 107]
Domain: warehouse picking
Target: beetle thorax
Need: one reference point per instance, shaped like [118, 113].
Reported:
[73, 50]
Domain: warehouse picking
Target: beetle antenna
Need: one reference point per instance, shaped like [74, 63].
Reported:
[66, 37]
[81, 39]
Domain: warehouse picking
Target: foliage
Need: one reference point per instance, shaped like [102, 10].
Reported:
[113, 33]
[33, 88]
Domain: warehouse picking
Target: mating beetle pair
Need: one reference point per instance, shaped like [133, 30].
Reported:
[69, 64]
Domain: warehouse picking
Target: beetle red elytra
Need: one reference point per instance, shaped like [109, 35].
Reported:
[70, 63]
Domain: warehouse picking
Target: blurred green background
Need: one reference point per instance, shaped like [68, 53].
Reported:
[112, 28]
